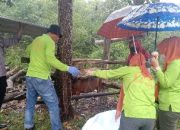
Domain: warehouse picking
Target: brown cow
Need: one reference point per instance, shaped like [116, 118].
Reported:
[85, 85]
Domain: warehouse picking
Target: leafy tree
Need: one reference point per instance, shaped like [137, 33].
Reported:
[87, 19]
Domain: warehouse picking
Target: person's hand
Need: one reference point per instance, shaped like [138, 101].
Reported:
[154, 60]
[155, 54]
[118, 113]
[73, 71]
[155, 63]
[89, 72]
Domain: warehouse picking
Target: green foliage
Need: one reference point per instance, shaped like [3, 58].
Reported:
[14, 53]
[13, 56]
[9, 3]
[97, 54]
[41, 12]
[149, 40]
[79, 122]
[87, 19]
[119, 51]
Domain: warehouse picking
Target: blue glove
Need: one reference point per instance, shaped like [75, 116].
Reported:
[73, 71]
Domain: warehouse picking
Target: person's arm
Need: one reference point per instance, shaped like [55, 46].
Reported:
[167, 78]
[52, 60]
[116, 73]
[119, 104]
[120, 100]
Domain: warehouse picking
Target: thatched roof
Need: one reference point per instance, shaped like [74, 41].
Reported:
[12, 26]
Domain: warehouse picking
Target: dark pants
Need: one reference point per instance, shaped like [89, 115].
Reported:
[127, 123]
[168, 120]
[157, 126]
[3, 85]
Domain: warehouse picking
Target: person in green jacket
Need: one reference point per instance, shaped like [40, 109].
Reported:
[138, 112]
[42, 58]
[169, 80]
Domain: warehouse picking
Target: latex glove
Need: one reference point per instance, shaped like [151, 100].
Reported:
[118, 113]
[73, 71]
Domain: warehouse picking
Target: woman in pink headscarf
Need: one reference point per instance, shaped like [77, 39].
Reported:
[169, 80]
[135, 47]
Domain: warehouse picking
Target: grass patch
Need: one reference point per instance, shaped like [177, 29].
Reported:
[15, 120]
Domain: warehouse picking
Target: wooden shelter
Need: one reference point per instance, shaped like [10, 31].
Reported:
[12, 26]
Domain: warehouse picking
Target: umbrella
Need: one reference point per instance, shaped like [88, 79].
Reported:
[153, 17]
[170, 1]
[109, 28]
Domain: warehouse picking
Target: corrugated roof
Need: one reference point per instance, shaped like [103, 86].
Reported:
[12, 26]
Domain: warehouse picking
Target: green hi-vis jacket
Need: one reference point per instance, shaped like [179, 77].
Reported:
[42, 58]
[169, 95]
[139, 99]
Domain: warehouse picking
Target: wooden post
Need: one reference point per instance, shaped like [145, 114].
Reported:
[64, 53]
[106, 54]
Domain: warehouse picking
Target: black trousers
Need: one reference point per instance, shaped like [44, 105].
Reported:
[168, 120]
[3, 85]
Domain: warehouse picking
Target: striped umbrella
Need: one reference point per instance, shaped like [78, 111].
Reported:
[153, 17]
[109, 28]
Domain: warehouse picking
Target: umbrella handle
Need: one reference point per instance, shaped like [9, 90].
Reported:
[134, 44]
[155, 43]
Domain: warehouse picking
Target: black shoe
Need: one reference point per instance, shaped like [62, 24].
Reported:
[33, 128]
[2, 126]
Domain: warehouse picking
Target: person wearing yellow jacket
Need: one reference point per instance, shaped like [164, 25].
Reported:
[138, 112]
[42, 58]
[169, 80]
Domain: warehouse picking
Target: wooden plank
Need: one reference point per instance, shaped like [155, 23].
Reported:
[114, 40]
[94, 95]
[97, 61]
[100, 42]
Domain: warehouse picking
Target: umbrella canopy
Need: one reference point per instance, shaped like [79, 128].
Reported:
[170, 1]
[109, 28]
[153, 17]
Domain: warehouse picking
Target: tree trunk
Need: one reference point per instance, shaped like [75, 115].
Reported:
[64, 53]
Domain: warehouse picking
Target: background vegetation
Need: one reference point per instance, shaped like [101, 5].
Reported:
[87, 19]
